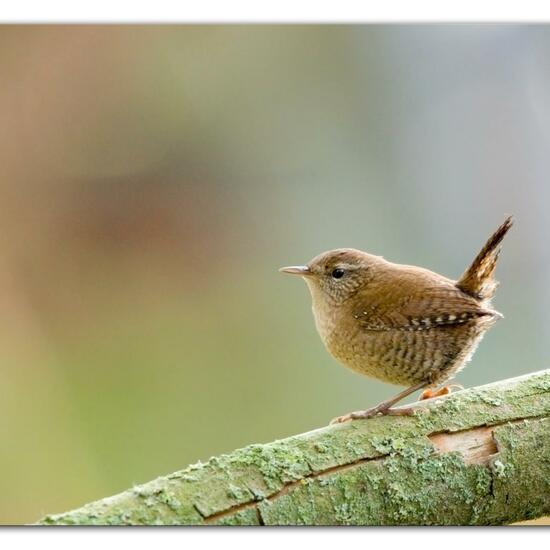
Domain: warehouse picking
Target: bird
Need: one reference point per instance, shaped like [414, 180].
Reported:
[401, 324]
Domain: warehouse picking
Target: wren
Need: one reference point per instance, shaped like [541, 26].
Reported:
[401, 324]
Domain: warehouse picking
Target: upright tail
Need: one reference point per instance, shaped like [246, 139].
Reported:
[477, 280]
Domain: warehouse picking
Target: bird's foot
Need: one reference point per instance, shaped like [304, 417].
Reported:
[444, 390]
[383, 411]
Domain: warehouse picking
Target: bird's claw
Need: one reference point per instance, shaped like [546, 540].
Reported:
[356, 415]
[369, 413]
[444, 390]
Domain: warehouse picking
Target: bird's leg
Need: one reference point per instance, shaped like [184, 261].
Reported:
[384, 407]
[428, 393]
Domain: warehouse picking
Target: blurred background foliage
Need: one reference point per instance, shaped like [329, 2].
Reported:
[153, 179]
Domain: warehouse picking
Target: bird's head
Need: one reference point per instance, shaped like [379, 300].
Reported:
[336, 275]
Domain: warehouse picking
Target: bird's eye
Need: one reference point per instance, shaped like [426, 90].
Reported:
[337, 273]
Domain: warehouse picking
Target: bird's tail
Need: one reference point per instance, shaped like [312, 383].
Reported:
[477, 280]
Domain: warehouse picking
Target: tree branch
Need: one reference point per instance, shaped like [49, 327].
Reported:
[479, 456]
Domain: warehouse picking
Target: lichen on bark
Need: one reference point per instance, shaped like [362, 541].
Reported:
[379, 471]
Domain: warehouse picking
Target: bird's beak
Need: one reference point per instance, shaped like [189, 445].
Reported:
[302, 270]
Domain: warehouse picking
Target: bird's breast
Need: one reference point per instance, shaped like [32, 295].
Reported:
[326, 322]
[338, 332]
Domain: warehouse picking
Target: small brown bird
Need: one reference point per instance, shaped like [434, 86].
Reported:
[398, 323]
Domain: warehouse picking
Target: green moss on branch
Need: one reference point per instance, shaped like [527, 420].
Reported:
[380, 471]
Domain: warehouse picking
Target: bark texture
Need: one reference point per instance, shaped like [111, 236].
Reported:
[477, 457]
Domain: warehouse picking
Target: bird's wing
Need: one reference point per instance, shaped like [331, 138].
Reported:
[417, 304]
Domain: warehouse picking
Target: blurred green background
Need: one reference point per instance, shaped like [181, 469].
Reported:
[153, 179]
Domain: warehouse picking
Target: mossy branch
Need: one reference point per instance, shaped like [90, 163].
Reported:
[479, 456]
